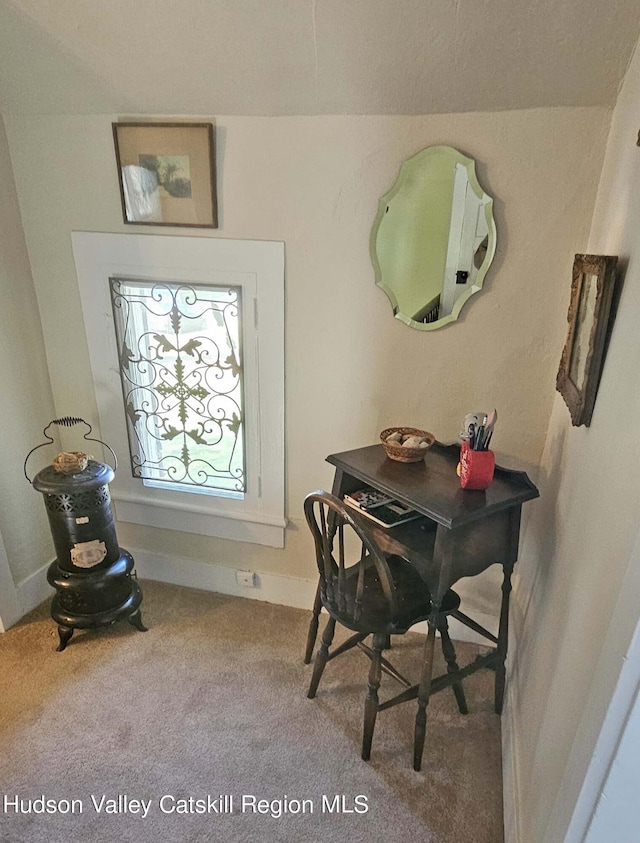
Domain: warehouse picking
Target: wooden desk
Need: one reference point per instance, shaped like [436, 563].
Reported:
[463, 533]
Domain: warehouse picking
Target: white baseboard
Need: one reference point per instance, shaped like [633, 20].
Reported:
[34, 589]
[510, 788]
[271, 588]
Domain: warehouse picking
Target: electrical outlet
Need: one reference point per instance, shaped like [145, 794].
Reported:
[246, 578]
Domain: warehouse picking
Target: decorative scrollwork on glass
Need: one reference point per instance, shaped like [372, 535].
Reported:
[179, 348]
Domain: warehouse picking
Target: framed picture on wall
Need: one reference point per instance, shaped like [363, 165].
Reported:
[167, 173]
[590, 315]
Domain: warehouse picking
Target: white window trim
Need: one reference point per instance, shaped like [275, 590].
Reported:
[256, 266]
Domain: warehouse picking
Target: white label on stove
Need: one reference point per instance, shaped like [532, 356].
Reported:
[88, 554]
[82, 520]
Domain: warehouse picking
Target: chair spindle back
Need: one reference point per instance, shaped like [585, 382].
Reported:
[342, 542]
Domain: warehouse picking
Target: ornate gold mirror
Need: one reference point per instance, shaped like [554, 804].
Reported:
[434, 238]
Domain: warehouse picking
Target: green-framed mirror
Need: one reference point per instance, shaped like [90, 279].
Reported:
[434, 238]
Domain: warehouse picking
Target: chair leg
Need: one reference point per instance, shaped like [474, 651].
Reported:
[371, 702]
[321, 657]
[449, 653]
[313, 626]
[424, 690]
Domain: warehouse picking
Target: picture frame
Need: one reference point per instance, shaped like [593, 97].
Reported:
[589, 317]
[166, 173]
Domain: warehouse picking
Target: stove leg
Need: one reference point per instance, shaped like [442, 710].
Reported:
[136, 620]
[65, 633]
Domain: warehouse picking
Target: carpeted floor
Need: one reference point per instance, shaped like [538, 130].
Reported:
[212, 702]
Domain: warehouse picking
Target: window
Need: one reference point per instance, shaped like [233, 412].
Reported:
[186, 341]
[181, 370]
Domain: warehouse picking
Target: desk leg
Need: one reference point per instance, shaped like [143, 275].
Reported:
[424, 690]
[503, 638]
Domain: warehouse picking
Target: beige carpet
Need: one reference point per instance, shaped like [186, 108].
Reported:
[212, 701]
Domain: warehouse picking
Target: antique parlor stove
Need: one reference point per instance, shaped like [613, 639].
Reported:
[93, 577]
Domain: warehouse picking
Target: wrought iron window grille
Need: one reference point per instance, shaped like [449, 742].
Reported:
[180, 362]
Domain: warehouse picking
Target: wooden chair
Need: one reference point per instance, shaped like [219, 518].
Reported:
[371, 594]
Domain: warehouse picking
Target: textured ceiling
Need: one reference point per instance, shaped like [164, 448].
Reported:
[279, 57]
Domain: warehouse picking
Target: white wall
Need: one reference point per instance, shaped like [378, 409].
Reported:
[24, 389]
[578, 549]
[352, 369]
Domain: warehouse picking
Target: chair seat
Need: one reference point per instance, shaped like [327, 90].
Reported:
[412, 599]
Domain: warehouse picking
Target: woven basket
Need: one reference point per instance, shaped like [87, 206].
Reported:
[399, 452]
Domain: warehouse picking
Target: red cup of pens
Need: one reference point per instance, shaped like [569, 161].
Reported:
[476, 467]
